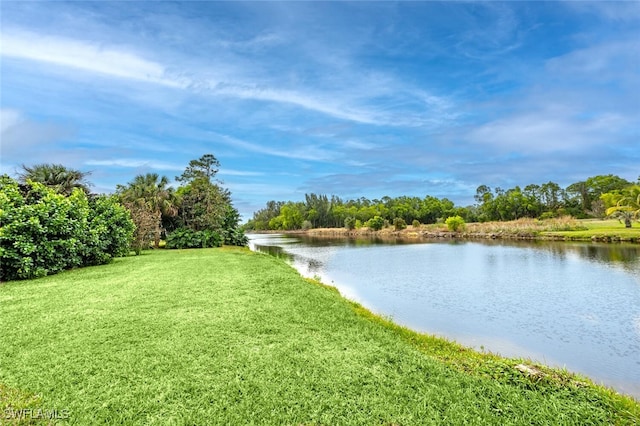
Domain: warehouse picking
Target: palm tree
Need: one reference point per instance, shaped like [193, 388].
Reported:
[627, 206]
[57, 177]
[152, 191]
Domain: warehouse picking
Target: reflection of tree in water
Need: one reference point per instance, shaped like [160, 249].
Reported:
[313, 265]
[275, 251]
[609, 253]
[605, 253]
[350, 241]
[626, 254]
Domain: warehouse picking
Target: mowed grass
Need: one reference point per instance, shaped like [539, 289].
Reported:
[602, 229]
[226, 336]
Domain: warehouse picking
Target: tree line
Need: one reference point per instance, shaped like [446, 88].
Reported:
[597, 196]
[51, 221]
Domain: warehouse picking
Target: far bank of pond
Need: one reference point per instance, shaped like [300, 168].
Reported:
[608, 231]
[571, 305]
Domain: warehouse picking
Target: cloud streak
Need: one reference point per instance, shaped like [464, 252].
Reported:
[84, 56]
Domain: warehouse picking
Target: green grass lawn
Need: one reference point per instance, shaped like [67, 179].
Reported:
[226, 336]
[602, 228]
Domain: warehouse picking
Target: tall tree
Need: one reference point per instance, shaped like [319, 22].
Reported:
[550, 195]
[57, 177]
[151, 194]
[205, 205]
[601, 184]
[319, 210]
[206, 167]
[579, 194]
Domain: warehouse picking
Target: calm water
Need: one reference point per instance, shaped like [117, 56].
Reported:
[569, 305]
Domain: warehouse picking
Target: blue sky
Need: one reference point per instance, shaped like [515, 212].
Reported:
[353, 99]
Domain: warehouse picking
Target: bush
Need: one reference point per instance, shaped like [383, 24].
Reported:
[113, 228]
[399, 224]
[43, 232]
[415, 223]
[548, 215]
[187, 238]
[455, 223]
[350, 223]
[375, 223]
[235, 237]
[306, 225]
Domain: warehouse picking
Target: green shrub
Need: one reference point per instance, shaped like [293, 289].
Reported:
[358, 224]
[235, 237]
[455, 223]
[399, 224]
[306, 225]
[548, 215]
[188, 238]
[111, 227]
[375, 223]
[415, 223]
[350, 222]
[43, 232]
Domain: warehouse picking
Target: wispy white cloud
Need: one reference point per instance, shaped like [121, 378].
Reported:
[260, 41]
[304, 100]
[9, 118]
[135, 163]
[19, 133]
[620, 11]
[492, 29]
[303, 152]
[381, 103]
[619, 55]
[231, 172]
[160, 165]
[545, 132]
[83, 55]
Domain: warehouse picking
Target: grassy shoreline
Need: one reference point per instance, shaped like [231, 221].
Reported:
[561, 229]
[222, 336]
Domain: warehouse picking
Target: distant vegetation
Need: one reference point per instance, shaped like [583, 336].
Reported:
[596, 197]
[50, 221]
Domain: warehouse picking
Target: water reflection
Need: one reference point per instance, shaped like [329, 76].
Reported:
[564, 304]
[625, 255]
[275, 251]
[622, 254]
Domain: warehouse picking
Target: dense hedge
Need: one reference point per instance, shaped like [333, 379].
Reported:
[43, 232]
[188, 238]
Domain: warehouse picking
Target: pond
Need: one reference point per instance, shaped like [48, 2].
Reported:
[571, 305]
